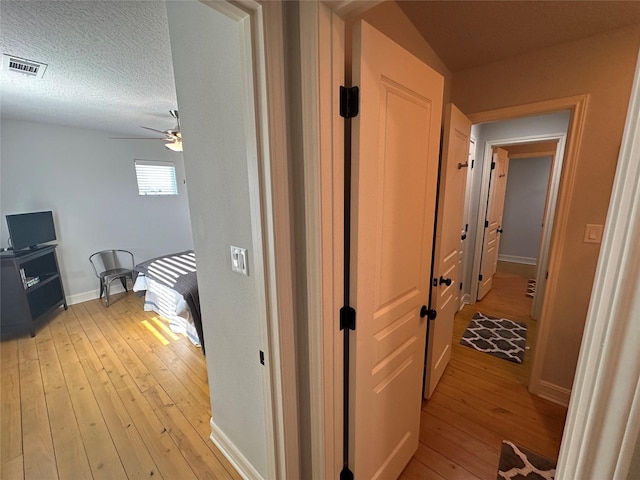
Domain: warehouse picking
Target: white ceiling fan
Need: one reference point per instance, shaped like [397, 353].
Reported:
[172, 136]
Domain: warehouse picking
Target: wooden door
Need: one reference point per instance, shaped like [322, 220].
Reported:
[445, 292]
[493, 222]
[395, 144]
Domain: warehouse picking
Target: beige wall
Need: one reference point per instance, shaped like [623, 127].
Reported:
[389, 18]
[603, 67]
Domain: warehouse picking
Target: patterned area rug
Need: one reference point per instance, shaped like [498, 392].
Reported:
[531, 287]
[517, 463]
[500, 337]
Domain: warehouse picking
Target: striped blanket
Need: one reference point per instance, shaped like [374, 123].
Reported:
[177, 271]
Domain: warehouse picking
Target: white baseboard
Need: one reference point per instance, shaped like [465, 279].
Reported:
[466, 300]
[552, 392]
[93, 294]
[235, 456]
[517, 259]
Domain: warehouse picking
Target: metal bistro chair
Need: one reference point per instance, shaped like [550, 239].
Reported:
[109, 265]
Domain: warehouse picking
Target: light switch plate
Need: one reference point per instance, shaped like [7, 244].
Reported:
[593, 233]
[239, 260]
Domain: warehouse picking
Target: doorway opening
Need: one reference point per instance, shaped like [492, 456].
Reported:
[482, 398]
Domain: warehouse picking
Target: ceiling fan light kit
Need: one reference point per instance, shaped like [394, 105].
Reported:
[175, 146]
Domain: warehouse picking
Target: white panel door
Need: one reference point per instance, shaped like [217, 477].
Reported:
[445, 293]
[493, 222]
[395, 143]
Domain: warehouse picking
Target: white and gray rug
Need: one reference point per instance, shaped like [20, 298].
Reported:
[531, 287]
[517, 463]
[500, 337]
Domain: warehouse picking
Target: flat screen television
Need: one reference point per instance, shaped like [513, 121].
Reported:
[28, 230]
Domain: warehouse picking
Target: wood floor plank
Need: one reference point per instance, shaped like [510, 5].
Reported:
[187, 396]
[502, 421]
[132, 451]
[449, 447]
[71, 455]
[501, 393]
[127, 338]
[488, 452]
[101, 392]
[101, 452]
[482, 400]
[166, 455]
[134, 366]
[37, 441]
[194, 449]
[191, 357]
[510, 405]
[439, 406]
[128, 341]
[13, 468]
[419, 471]
[10, 413]
[445, 467]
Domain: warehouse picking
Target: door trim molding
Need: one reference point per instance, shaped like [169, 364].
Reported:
[263, 61]
[322, 67]
[554, 180]
[565, 176]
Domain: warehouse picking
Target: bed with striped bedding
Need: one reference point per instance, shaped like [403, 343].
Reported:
[171, 288]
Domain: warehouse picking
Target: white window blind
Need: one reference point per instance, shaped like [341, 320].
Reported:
[156, 178]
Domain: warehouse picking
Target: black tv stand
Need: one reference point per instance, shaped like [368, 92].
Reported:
[31, 288]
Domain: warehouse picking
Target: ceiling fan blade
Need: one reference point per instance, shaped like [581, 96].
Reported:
[154, 130]
[136, 138]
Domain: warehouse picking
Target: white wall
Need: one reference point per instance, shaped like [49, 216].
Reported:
[210, 100]
[524, 208]
[508, 129]
[89, 182]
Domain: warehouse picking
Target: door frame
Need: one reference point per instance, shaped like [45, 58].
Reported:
[322, 51]
[549, 214]
[263, 66]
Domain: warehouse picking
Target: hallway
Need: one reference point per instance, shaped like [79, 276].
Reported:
[482, 400]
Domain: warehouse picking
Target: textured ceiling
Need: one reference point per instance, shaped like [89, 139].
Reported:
[467, 33]
[108, 64]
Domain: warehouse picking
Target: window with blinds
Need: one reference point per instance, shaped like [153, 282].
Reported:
[156, 178]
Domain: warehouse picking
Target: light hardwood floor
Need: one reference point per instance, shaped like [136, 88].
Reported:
[106, 393]
[482, 400]
[96, 394]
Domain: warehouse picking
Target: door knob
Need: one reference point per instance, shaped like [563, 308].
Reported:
[430, 313]
[446, 281]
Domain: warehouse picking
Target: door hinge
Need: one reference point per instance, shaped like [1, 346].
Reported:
[261, 357]
[480, 277]
[347, 318]
[460, 286]
[472, 163]
[486, 223]
[547, 276]
[346, 474]
[493, 165]
[349, 101]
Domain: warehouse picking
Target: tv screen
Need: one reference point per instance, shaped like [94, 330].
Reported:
[30, 229]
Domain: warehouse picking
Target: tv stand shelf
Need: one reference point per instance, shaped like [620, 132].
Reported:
[24, 307]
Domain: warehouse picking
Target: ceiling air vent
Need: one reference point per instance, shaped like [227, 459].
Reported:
[31, 68]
